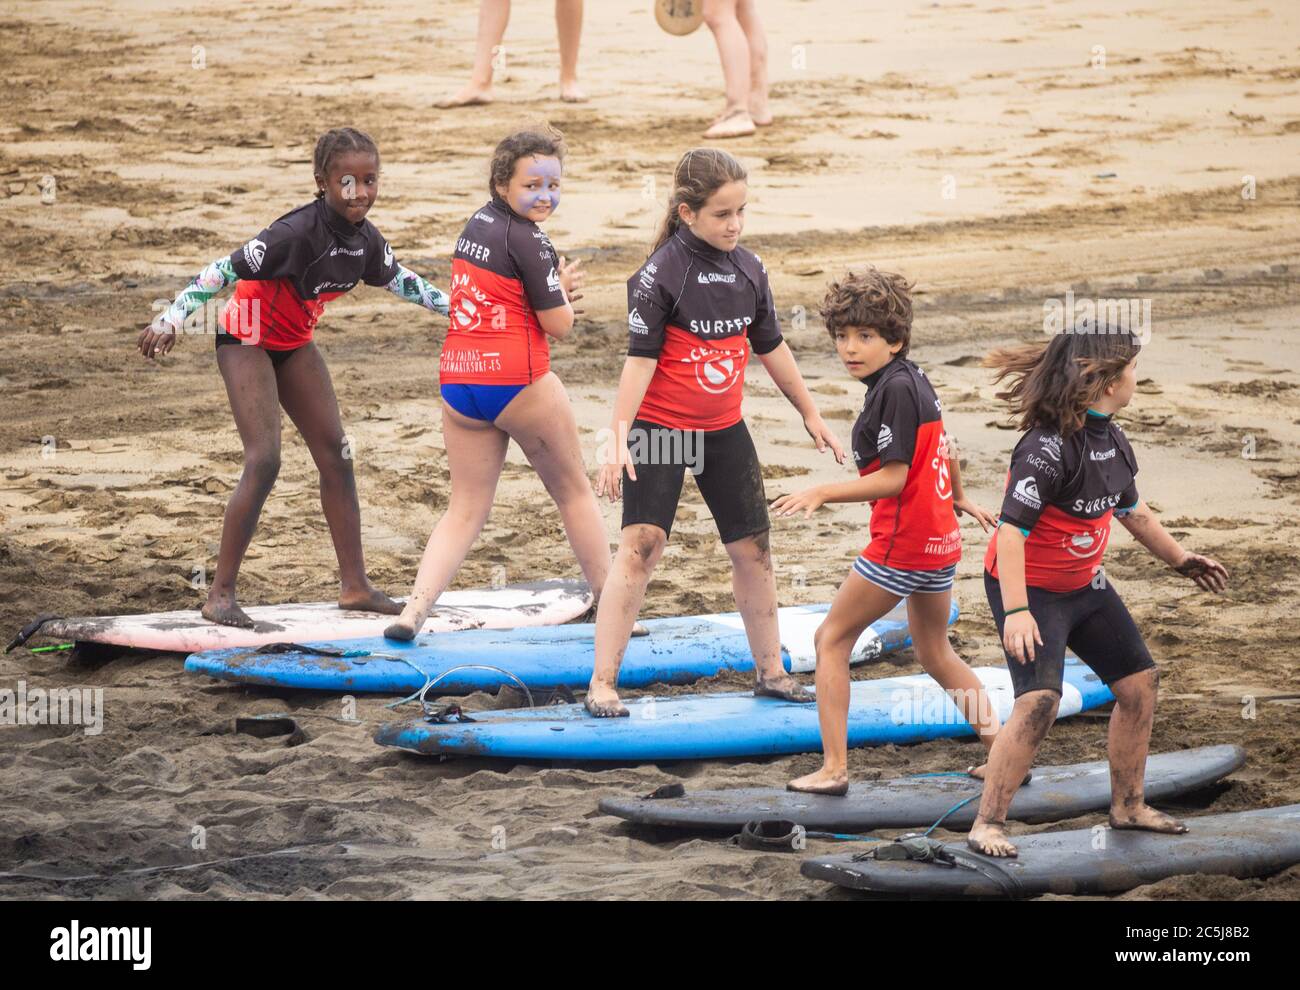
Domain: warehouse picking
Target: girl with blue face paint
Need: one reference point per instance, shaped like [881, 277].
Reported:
[511, 292]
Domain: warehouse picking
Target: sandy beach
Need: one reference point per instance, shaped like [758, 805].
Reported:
[988, 152]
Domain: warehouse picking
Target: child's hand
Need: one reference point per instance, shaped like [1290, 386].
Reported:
[1019, 634]
[823, 437]
[1209, 574]
[609, 479]
[156, 339]
[807, 501]
[571, 278]
[965, 506]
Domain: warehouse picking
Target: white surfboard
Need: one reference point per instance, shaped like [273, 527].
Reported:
[539, 603]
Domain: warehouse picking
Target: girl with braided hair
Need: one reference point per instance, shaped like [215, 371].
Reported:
[283, 278]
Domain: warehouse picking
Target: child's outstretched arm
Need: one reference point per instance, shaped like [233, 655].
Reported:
[413, 288]
[1209, 574]
[885, 483]
[159, 337]
[780, 364]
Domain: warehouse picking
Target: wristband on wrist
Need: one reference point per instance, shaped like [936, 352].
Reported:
[1011, 612]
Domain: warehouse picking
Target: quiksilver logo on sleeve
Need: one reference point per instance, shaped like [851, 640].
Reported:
[254, 252]
[1027, 492]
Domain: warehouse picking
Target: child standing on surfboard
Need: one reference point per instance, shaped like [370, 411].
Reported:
[283, 278]
[910, 477]
[696, 308]
[1072, 470]
[511, 293]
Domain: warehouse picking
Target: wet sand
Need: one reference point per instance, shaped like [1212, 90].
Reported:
[161, 167]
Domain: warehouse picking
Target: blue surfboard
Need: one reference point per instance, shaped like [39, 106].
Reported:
[701, 726]
[677, 651]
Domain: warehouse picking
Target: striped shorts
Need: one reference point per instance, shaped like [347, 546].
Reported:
[903, 583]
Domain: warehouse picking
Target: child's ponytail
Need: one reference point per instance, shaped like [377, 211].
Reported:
[700, 173]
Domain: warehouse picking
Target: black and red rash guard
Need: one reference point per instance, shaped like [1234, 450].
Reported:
[902, 420]
[1061, 494]
[504, 270]
[289, 271]
[698, 310]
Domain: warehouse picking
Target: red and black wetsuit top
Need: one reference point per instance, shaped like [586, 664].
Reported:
[698, 310]
[289, 271]
[1062, 493]
[504, 270]
[902, 420]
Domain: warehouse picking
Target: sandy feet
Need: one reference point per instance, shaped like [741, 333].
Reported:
[470, 96]
[225, 612]
[990, 839]
[784, 687]
[1146, 818]
[369, 599]
[822, 781]
[604, 703]
[732, 124]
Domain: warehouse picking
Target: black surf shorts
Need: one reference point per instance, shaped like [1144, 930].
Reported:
[726, 469]
[277, 357]
[1092, 622]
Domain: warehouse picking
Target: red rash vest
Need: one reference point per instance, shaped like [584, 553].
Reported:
[504, 270]
[289, 271]
[1062, 493]
[902, 420]
[698, 310]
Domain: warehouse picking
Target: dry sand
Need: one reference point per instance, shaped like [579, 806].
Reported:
[162, 167]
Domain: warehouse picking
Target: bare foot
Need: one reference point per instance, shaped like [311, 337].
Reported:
[400, 630]
[369, 599]
[979, 771]
[571, 92]
[990, 839]
[759, 112]
[604, 703]
[784, 687]
[733, 123]
[1147, 819]
[470, 96]
[821, 782]
[224, 612]
[639, 630]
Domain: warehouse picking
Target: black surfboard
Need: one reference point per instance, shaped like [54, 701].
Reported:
[1054, 793]
[1083, 861]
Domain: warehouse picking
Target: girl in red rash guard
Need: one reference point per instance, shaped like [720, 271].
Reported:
[1070, 473]
[510, 294]
[283, 278]
[696, 308]
[910, 477]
